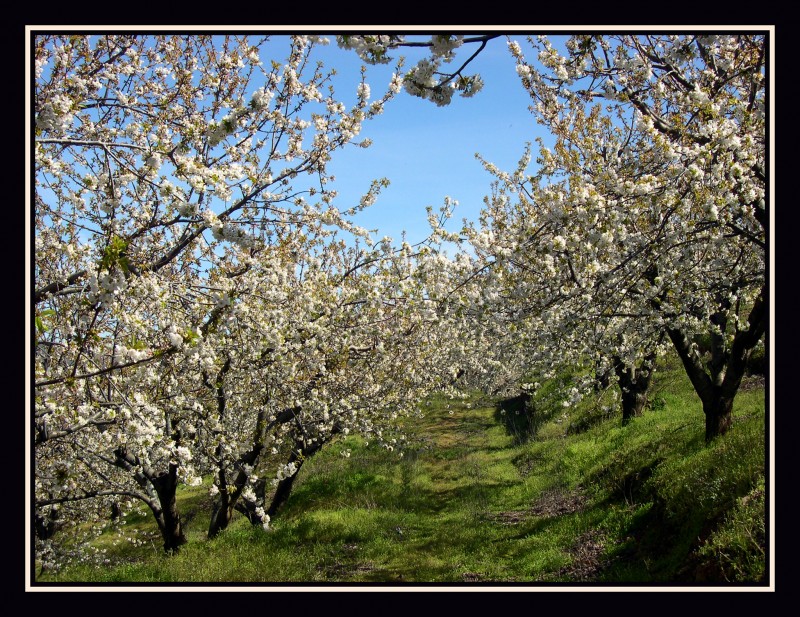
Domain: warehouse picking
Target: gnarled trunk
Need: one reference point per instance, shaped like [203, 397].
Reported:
[46, 526]
[299, 455]
[634, 384]
[161, 489]
[634, 398]
[718, 389]
[221, 514]
[228, 501]
[279, 497]
[718, 411]
[168, 518]
[282, 492]
[248, 508]
[602, 377]
[284, 488]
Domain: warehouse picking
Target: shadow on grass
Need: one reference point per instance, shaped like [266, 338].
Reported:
[522, 417]
[652, 547]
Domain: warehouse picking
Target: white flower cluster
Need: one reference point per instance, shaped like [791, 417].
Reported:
[421, 81]
[152, 163]
[56, 114]
[217, 131]
[285, 471]
[443, 45]
[370, 48]
[105, 286]
[396, 83]
[263, 516]
[227, 231]
[261, 98]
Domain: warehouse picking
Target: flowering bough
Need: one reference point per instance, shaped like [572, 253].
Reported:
[427, 79]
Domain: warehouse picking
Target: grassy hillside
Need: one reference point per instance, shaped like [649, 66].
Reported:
[494, 492]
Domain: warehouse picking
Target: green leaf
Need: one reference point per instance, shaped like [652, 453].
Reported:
[191, 337]
[39, 321]
[114, 254]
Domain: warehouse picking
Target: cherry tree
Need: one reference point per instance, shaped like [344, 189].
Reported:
[182, 203]
[346, 341]
[544, 291]
[648, 217]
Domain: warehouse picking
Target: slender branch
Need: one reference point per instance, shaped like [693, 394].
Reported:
[99, 144]
[463, 66]
[743, 232]
[53, 288]
[159, 353]
[475, 39]
[91, 495]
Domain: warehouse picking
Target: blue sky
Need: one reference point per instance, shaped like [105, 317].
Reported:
[428, 152]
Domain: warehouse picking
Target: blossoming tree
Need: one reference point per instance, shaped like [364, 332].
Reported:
[648, 218]
[347, 340]
[193, 300]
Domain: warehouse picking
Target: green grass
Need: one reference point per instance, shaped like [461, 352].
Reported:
[481, 495]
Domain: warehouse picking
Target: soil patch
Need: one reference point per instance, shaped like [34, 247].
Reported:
[753, 382]
[551, 503]
[587, 558]
[557, 502]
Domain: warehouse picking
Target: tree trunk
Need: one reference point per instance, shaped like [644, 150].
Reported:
[285, 486]
[227, 502]
[718, 412]
[717, 391]
[602, 377]
[634, 398]
[169, 519]
[300, 454]
[46, 526]
[116, 511]
[220, 517]
[634, 385]
[248, 508]
[161, 489]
